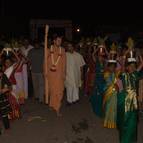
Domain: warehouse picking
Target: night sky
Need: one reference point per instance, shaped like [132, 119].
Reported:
[90, 16]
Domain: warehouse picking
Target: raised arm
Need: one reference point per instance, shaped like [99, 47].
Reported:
[94, 54]
[123, 60]
[106, 52]
[16, 56]
[141, 63]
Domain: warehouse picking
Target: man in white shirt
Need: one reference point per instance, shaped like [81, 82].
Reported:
[26, 48]
[74, 65]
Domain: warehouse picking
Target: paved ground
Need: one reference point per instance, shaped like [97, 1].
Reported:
[78, 125]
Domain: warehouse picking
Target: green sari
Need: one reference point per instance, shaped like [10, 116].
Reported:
[127, 108]
[110, 100]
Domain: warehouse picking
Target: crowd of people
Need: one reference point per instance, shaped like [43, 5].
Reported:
[110, 75]
[114, 83]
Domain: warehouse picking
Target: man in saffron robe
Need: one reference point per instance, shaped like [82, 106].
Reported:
[56, 60]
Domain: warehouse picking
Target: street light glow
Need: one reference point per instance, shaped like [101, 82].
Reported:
[78, 30]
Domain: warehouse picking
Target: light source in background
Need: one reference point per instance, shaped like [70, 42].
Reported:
[78, 30]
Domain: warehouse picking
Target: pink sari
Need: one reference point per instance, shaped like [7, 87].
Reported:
[19, 84]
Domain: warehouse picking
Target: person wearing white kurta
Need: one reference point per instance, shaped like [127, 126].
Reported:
[25, 51]
[26, 48]
[74, 64]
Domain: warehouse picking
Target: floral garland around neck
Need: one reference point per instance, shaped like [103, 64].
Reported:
[54, 63]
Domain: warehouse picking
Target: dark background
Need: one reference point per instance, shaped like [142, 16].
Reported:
[93, 18]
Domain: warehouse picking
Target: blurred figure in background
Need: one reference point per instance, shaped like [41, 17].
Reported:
[36, 58]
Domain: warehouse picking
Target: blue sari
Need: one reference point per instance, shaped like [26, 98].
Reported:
[98, 90]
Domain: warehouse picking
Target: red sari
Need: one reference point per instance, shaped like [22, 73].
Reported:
[90, 76]
[15, 113]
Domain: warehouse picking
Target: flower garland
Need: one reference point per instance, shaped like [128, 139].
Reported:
[54, 63]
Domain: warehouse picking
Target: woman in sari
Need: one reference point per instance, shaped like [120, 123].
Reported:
[90, 75]
[9, 70]
[127, 101]
[21, 79]
[112, 87]
[5, 109]
[110, 95]
[19, 84]
[98, 89]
